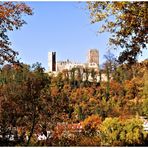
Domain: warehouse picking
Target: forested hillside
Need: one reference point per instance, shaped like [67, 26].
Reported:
[109, 112]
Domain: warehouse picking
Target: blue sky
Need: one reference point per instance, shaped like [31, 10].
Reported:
[63, 27]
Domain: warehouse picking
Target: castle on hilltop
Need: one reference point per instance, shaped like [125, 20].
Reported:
[59, 66]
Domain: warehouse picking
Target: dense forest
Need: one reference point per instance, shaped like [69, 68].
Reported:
[109, 111]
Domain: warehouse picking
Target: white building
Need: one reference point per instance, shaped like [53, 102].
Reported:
[62, 65]
[93, 66]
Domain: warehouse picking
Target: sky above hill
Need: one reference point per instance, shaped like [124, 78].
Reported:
[63, 27]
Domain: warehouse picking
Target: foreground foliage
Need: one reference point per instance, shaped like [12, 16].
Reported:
[127, 22]
[34, 102]
[10, 19]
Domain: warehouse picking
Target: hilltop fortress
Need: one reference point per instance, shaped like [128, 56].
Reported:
[59, 66]
[54, 66]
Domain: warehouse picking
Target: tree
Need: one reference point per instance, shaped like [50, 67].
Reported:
[21, 98]
[132, 133]
[127, 21]
[10, 19]
[111, 61]
[91, 124]
[145, 89]
[109, 66]
[110, 129]
[118, 131]
[144, 107]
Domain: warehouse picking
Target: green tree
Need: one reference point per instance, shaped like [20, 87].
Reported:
[132, 132]
[110, 129]
[122, 132]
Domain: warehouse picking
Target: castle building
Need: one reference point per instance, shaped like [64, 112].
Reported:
[54, 67]
[51, 61]
[59, 66]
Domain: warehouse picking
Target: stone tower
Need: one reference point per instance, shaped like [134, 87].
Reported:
[52, 61]
[93, 56]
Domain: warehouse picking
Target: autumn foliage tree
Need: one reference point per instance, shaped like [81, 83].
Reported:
[118, 131]
[10, 19]
[20, 97]
[127, 22]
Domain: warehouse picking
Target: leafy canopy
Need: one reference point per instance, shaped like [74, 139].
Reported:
[127, 21]
[10, 19]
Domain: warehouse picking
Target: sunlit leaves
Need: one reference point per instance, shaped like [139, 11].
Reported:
[115, 131]
[10, 19]
[127, 23]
